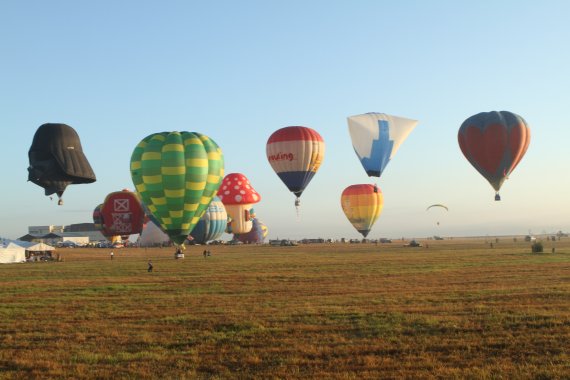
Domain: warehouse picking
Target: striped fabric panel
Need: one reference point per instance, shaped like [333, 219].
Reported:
[362, 206]
[294, 133]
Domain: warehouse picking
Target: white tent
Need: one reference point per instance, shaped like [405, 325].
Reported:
[12, 253]
[40, 251]
[152, 235]
[40, 247]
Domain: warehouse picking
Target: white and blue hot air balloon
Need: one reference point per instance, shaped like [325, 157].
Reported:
[376, 138]
[212, 224]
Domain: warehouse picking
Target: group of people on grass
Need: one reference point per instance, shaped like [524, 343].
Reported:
[151, 267]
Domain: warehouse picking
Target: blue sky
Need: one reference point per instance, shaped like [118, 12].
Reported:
[118, 71]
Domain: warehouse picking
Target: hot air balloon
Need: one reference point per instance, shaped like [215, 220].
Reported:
[177, 174]
[122, 214]
[97, 218]
[257, 234]
[438, 206]
[376, 137]
[57, 159]
[212, 224]
[100, 226]
[295, 153]
[238, 197]
[362, 205]
[494, 143]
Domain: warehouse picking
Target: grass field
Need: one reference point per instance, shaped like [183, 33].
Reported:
[458, 309]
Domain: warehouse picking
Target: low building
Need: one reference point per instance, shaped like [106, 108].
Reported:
[33, 238]
[44, 230]
[84, 229]
[75, 238]
[313, 241]
[78, 234]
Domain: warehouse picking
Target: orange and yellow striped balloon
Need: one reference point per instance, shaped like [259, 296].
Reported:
[362, 205]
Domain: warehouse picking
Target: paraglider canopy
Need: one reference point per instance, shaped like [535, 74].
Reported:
[437, 205]
[57, 159]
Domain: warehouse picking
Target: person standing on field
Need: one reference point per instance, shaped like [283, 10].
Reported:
[112, 255]
[150, 267]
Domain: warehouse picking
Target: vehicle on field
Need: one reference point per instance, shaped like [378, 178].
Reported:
[67, 244]
[413, 243]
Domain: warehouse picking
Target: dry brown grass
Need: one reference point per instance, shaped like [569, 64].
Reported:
[458, 309]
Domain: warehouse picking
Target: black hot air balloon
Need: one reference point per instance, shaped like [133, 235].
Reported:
[57, 159]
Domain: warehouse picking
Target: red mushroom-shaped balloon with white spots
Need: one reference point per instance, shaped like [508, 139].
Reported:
[238, 196]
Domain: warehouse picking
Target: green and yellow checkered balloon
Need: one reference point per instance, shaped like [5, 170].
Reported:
[176, 175]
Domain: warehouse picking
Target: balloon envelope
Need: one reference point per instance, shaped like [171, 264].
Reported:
[57, 160]
[176, 175]
[494, 143]
[149, 215]
[362, 205]
[238, 197]
[100, 226]
[212, 224]
[97, 218]
[257, 234]
[122, 213]
[376, 137]
[295, 153]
